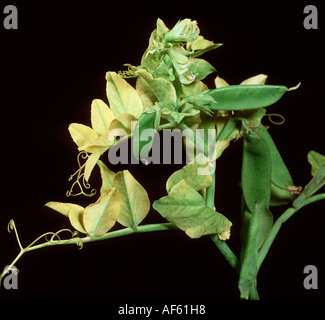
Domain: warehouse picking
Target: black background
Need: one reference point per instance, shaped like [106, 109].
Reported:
[54, 65]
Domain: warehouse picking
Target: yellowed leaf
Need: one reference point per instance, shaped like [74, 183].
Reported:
[98, 145]
[76, 218]
[145, 93]
[122, 124]
[73, 211]
[107, 176]
[258, 79]
[135, 203]
[90, 164]
[122, 97]
[100, 217]
[81, 134]
[101, 116]
[219, 82]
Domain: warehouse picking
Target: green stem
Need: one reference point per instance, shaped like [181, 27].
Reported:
[226, 252]
[277, 226]
[80, 241]
[253, 293]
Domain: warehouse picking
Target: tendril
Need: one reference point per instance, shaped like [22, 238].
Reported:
[80, 177]
[270, 115]
[55, 237]
[12, 226]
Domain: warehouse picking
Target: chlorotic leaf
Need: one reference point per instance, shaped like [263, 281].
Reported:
[62, 207]
[100, 217]
[145, 93]
[259, 79]
[107, 176]
[195, 173]
[73, 211]
[122, 97]
[101, 116]
[135, 203]
[220, 82]
[186, 208]
[100, 145]
[90, 164]
[82, 135]
[161, 88]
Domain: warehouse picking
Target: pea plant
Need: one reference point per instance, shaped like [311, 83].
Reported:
[169, 94]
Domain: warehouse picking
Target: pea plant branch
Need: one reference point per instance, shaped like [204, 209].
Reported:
[170, 94]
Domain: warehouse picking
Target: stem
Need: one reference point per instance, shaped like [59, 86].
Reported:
[277, 226]
[80, 241]
[226, 252]
[273, 233]
[109, 235]
[221, 244]
[253, 293]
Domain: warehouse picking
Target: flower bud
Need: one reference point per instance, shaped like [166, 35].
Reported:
[184, 30]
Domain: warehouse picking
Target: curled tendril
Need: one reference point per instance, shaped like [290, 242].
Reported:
[80, 177]
[12, 227]
[80, 244]
[270, 115]
[54, 237]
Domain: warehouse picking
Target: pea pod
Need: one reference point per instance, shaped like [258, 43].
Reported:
[245, 97]
[149, 120]
[256, 171]
[281, 180]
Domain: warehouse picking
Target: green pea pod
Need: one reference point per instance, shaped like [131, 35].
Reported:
[281, 181]
[245, 97]
[256, 171]
[149, 121]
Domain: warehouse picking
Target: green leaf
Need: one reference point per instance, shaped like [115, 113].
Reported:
[195, 173]
[177, 117]
[316, 160]
[135, 203]
[107, 176]
[122, 97]
[186, 208]
[256, 171]
[184, 30]
[245, 97]
[100, 217]
[201, 68]
[149, 120]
